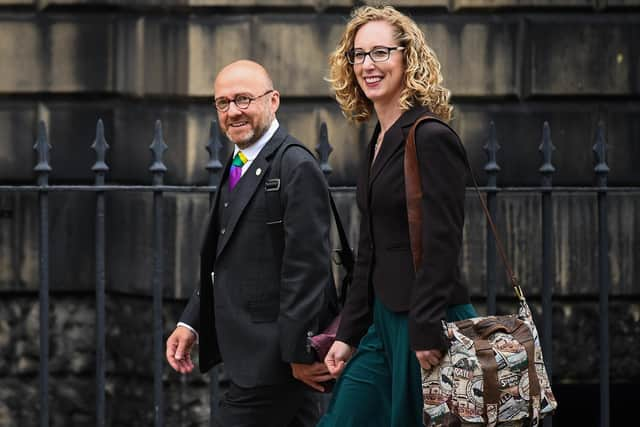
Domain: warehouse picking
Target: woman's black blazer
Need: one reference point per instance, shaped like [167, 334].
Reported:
[384, 266]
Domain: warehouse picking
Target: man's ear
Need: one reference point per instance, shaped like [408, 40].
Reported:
[275, 101]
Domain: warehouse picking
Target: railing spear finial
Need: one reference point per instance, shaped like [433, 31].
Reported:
[324, 149]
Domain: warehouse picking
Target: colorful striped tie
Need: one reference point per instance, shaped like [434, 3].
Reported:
[236, 169]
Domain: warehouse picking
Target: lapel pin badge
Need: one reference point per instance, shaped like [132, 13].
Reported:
[258, 172]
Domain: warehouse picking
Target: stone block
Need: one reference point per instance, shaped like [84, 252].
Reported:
[575, 243]
[318, 5]
[71, 130]
[486, 4]
[519, 134]
[478, 58]
[348, 141]
[622, 3]
[295, 52]
[21, 40]
[130, 224]
[212, 45]
[412, 3]
[78, 54]
[185, 132]
[17, 137]
[18, 241]
[622, 133]
[57, 54]
[162, 56]
[571, 57]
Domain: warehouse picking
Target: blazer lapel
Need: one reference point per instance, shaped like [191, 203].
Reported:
[210, 237]
[394, 140]
[250, 183]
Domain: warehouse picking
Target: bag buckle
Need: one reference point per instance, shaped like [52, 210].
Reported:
[517, 289]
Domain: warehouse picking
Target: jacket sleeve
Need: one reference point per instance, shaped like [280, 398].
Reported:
[306, 262]
[356, 315]
[442, 167]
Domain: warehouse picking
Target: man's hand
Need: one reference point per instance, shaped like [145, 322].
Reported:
[428, 358]
[312, 375]
[179, 346]
[337, 357]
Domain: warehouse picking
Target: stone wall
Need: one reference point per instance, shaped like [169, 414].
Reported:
[129, 370]
[517, 63]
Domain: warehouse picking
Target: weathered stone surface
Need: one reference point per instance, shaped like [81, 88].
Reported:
[315, 4]
[21, 41]
[16, 142]
[16, 2]
[575, 243]
[480, 4]
[18, 241]
[295, 52]
[573, 132]
[129, 128]
[622, 133]
[129, 381]
[622, 3]
[129, 250]
[411, 3]
[57, 54]
[180, 56]
[594, 58]
[478, 58]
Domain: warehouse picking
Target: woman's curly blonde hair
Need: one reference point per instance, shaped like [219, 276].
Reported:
[422, 79]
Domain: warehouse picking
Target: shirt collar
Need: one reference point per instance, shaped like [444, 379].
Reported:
[254, 149]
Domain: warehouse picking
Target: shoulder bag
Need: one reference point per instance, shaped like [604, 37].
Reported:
[493, 372]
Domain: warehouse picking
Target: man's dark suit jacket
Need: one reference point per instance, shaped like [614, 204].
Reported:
[384, 265]
[256, 314]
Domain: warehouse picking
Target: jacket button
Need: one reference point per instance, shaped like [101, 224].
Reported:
[223, 231]
[226, 204]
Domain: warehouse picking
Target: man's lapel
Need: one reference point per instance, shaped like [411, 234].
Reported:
[211, 236]
[250, 183]
[394, 140]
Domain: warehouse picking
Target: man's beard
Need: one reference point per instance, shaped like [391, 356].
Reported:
[251, 136]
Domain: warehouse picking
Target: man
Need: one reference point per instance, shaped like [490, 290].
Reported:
[255, 308]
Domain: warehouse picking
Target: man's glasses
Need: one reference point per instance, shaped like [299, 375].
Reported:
[377, 54]
[242, 101]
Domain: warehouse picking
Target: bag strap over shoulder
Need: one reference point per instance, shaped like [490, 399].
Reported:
[414, 202]
[274, 216]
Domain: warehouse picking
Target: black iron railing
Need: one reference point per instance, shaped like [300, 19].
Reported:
[214, 166]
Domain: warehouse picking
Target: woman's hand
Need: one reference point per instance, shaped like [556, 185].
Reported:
[428, 358]
[337, 357]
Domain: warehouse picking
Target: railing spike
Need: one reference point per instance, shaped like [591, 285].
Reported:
[547, 148]
[324, 149]
[491, 148]
[158, 147]
[214, 145]
[100, 146]
[43, 149]
[600, 152]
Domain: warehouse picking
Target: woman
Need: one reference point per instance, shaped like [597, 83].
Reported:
[394, 313]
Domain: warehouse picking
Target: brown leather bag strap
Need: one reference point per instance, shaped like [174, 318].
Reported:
[413, 191]
[490, 388]
[525, 338]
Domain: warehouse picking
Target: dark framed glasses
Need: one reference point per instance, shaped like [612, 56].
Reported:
[377, 54]
[242, 101]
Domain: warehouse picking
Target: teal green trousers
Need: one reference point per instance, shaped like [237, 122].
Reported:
[381, 384]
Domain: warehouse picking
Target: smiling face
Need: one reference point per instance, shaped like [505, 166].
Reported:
[244, 127]
[381, 82]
